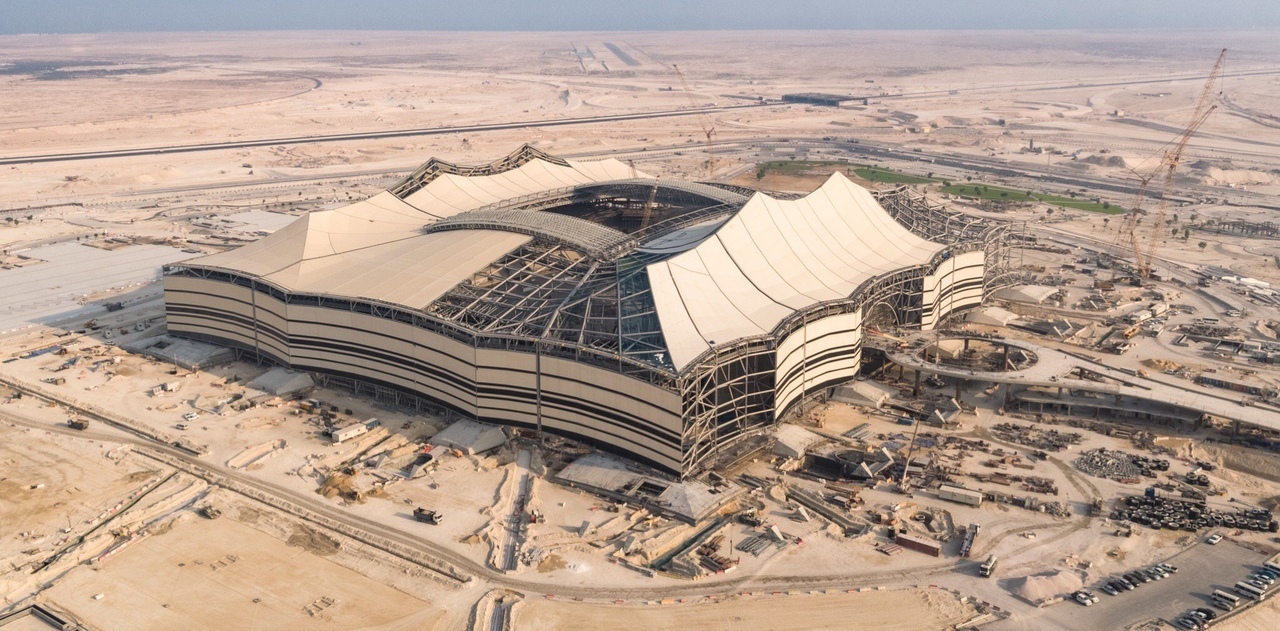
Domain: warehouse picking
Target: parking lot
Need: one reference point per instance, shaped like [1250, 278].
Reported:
[1201, 569]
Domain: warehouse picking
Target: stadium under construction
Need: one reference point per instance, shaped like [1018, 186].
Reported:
[665, 320]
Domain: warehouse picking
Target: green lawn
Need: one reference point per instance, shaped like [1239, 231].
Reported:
[876, 174]
[982, 191]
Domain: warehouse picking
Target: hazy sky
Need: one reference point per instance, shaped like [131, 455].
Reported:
[78, 16]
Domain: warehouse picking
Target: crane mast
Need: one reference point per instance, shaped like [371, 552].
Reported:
[1144, 246]
[708, 130]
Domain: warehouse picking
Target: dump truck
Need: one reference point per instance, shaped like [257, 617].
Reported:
[78, 423]
[427, 516]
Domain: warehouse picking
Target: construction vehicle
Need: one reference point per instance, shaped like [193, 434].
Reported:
[708, 130]
[988, 566]
[78, 423]
[1142, 246]
[427, 516]
[209, 511]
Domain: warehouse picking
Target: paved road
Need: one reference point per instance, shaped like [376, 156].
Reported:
[1053, 367]
[1202, 569]
[395, 133]
[514, 531]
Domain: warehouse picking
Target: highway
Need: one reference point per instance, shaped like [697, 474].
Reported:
[371, 135]
[1054, 369]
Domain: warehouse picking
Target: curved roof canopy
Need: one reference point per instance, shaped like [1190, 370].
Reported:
[496, 250]
[775, 257]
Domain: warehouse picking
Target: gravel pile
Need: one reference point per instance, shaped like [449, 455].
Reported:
[1118, 465]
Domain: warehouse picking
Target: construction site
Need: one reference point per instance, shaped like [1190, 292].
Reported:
[745, 346]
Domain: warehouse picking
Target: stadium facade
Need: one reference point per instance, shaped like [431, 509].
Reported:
[664, 320]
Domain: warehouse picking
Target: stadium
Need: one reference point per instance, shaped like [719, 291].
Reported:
[668, 321]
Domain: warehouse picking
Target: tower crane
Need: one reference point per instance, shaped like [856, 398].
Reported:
[648, 205]
[704, 122]
[1144, 246]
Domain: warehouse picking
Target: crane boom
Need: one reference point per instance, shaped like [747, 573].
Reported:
[708, 130]
[1144, 250]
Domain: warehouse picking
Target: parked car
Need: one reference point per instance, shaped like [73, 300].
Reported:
[1081, 598]
[1109, 590]
[1168, 568]
[1209, 614]
[1213, 540]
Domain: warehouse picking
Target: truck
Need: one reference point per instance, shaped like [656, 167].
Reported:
[78, 423]
[427, 516]
[988, 566]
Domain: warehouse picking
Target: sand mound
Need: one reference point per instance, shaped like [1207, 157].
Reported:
[1161, 364]
[1215, 176]
[1106, 161]
[1040, 587]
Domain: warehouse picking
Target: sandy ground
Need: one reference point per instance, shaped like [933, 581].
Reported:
[1263, 617]
[221, 570]
[889, 610]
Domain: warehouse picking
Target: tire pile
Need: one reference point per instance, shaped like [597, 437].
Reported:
[1175, 514]
[1118, 465]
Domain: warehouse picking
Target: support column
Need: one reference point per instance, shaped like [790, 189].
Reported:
[915, 390]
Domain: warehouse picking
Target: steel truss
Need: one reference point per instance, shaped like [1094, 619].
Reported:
[434, 168]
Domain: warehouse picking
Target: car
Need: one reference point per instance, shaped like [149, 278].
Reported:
[1197, 615]
[1141, 577]
[1168, 568]
[1156, 575]
[1186, 623]
[1126, 584]
[1256, 583]
[1263, 578]
[1082, 599]
[1209, 614]
[1109, 590]
[1092, 596]
[190, 416]
[1213, 540]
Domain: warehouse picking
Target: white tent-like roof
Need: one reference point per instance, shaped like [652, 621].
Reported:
[450, 194]
[775, 257]
[377, 248]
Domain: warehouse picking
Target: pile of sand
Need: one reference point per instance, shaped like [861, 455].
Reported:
[1161, 364]
[1106, 161]
[1040, 587]
[1215, 176]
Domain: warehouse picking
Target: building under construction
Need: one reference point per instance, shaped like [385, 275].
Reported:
[666, 320]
